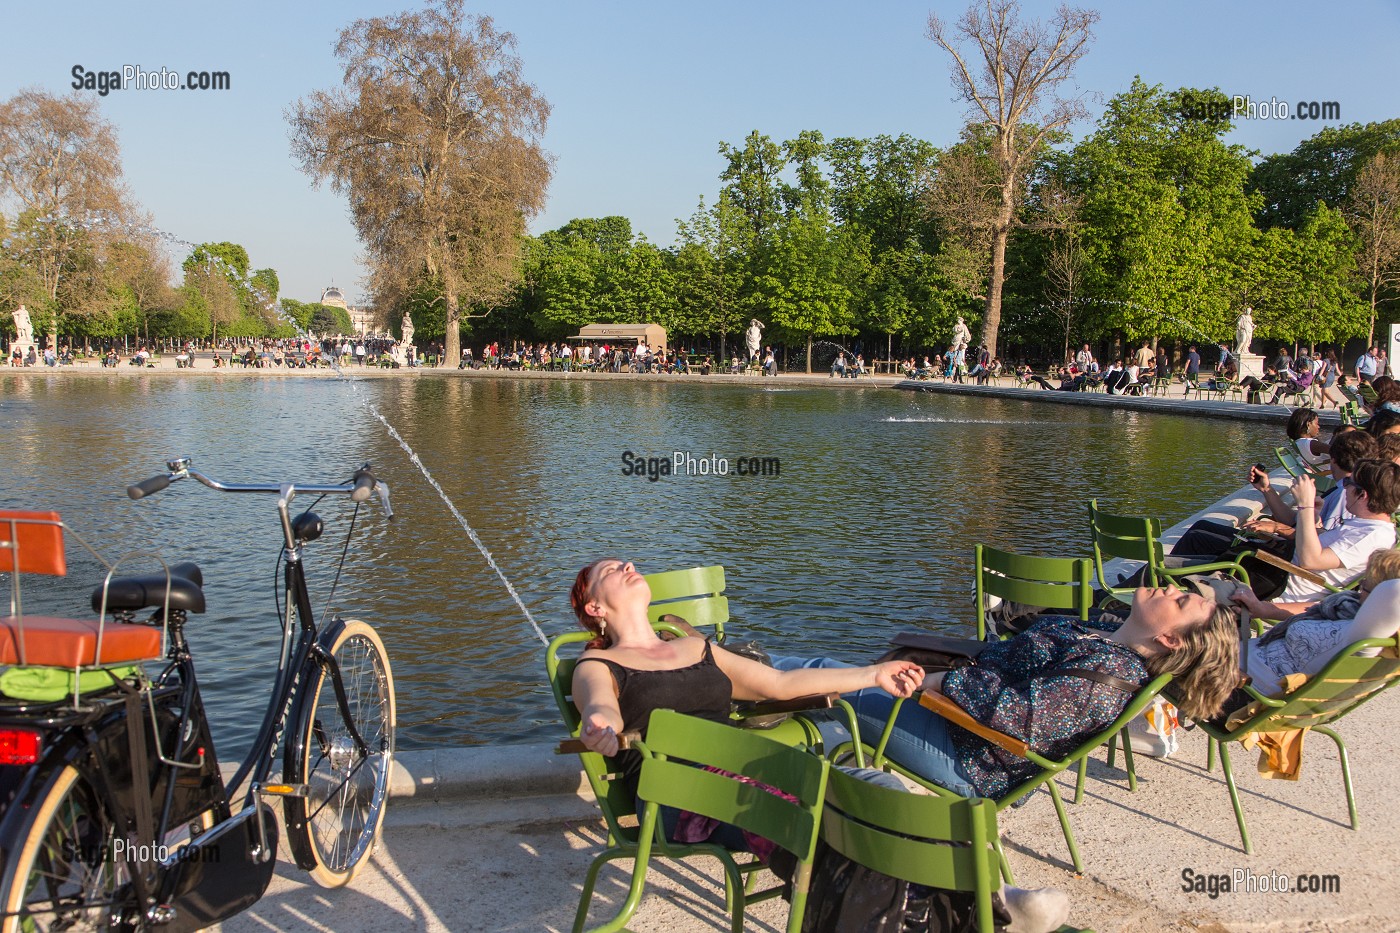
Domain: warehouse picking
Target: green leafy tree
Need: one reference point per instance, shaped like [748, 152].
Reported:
[710, 270]
[1322, 167]
[1167, 224]
[809, 281]
[1373, 207]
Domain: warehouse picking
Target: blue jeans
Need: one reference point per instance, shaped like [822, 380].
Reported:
[920, 740]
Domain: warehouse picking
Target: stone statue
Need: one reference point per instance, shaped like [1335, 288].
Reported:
[24, 327]
[753, 337]
[1244, 332]
[407, 328]
[961, 335]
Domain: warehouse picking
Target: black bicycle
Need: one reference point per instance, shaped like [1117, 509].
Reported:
[113, 812]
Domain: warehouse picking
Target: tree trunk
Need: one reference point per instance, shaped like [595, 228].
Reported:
[809, 354]
[453, 342]
[991, 322]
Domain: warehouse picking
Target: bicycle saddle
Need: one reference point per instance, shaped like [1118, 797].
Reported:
[148, 591]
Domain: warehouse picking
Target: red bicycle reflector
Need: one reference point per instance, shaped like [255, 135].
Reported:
[19, 746]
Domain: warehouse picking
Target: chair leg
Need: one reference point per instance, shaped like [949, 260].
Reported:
[1005, 865]
[1234, 796]
[801, 884]
[591, 880]
[733, 894]
[1064, 824]
[1112, 748]
[1346, 770]
[1083, 770]
[1210, 754]
[1128, 761]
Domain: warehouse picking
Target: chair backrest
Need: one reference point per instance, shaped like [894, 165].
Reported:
[1344, 684]
[1049, 582]
[696, 595]
[676, 743]
[937, 841]
[1290, 460]
[1130, 537]
[32, 542]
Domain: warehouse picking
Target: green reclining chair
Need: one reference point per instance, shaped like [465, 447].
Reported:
[1344, 684]
[933, 841]
[1049, 768]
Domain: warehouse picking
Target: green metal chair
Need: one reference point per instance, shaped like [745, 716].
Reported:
[1048, 582]
[1137, 538]
[933, 841]
[1344, 684]
[1351, 413]
[1049, 768]
[675, 748]
[1297, 466]
[696, 595]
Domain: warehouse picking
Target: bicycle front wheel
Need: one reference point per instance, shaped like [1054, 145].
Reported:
[332, 828]
[64, 876]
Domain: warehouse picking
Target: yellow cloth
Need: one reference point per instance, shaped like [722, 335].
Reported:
[1281, 751]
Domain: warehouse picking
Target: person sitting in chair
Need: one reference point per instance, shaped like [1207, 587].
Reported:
[1310, 634]
[629, 670]
[1029, 687]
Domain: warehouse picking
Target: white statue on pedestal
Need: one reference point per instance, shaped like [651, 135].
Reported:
[401, 348]
[1244, 332]
[961, 335]
[24, 332]
[753, 337]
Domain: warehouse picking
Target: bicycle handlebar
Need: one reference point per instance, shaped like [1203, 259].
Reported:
[147, 486]
[359, 488]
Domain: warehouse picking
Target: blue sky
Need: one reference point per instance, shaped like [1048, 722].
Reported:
[642, 93]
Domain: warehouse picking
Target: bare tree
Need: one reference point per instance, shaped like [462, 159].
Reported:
[1374, 211]
[1012, 85]
[435, 138]
[60, 167]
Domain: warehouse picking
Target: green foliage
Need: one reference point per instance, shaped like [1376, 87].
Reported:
[1167, 223]
[1320, 168]
[330, 321]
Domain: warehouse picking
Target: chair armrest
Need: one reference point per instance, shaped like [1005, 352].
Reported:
[576, 746]
[795, 705]
[1276, 561]
[940, 704]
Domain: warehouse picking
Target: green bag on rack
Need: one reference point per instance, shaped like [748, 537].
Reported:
[51, 684]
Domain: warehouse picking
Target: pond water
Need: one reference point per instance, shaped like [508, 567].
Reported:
[867, 530]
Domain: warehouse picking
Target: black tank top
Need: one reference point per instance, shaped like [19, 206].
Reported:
[701, 690]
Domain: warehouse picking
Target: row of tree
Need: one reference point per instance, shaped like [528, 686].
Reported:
[1152, 227]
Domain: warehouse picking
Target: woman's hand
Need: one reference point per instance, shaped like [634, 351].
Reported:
[598, 736]
[1259, 479]
[1256, 607]
[899, 678]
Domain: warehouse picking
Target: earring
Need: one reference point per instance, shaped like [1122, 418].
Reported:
[602, 627]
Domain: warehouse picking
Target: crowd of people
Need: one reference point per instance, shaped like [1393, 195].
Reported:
[614, 357]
